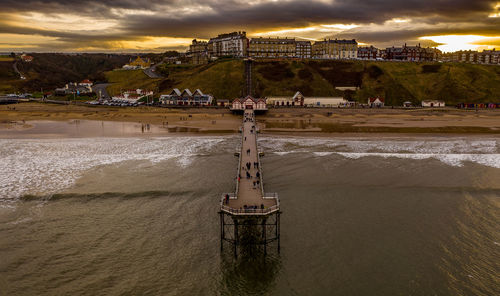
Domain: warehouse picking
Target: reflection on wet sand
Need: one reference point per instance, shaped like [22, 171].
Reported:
[84, 128]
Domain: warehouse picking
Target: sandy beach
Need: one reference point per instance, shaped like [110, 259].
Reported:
[35, 118]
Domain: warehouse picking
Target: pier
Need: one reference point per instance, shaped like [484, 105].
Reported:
[249, 216]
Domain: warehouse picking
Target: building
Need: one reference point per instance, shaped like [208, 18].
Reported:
[199, 52]
[132, 96]
[299, 100]
[296, 100]
[186, 98]
[303, 49]
[433, 103]
[138, 63]
[249, 102]
[491, 57]
[335, 49]
[468, 56]
[376, 102]
[86, 82]
[368, 53]
[223, 103]
[394, 54]
[412, 53]
[73, 88]
[26, 58]
[231, 44]
[272, 47]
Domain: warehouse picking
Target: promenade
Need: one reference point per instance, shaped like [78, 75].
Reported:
[250, 195]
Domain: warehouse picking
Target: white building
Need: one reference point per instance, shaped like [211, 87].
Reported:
[132, 96]
[376, 102]
[249, 102]
[231, 44]
[433, 103]
[299, 100]
[186, 98]
[86, 82]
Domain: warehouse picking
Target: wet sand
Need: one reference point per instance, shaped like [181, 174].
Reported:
[46, 120]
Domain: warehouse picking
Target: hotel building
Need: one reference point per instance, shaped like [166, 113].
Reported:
[335, 49]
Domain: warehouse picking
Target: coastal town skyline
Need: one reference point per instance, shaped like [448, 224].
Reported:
[156, 26]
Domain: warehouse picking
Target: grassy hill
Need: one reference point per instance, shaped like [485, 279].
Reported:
[8, 78]
[224, 79]
[395, 81]
[49, 70]
[129, 79]
[55, 70]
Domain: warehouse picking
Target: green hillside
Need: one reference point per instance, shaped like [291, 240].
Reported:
[129, 79]
[224, 79]
[395, 81]
[51, 70]
[8, 78]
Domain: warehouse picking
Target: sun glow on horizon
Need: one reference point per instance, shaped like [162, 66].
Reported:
[322, 29]
[450, 43]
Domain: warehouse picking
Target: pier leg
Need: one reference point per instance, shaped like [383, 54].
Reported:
[264, 228]
[221, 231]
[236, 239]
[278, 229]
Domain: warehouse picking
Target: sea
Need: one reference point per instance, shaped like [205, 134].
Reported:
[361, 215]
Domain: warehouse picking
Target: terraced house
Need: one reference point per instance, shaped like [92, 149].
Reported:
[412, 53]
[303, 49]
[335, 49]
[186, 98]
[272, 47]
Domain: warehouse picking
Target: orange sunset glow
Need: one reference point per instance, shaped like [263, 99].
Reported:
[119, 26]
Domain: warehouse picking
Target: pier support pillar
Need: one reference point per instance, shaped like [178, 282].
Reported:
[221, 231]
[236, 238]
[278, 229]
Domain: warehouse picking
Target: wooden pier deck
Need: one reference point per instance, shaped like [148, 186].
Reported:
[249, 199]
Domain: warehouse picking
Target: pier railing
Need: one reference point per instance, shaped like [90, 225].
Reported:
[249, 210]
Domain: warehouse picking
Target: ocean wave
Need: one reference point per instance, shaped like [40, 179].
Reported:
[417, 145]
[40, 167]
[458, 160]
[129, 195]
[452, 151]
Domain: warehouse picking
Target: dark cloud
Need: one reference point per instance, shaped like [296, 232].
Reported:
[204, 19]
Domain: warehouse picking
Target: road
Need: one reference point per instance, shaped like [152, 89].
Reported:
[101, 89]
[17, 70]
[151, 71]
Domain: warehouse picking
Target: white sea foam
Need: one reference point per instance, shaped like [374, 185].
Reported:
[322, 153]
[48, 166]
[492, 160]
[451, 151]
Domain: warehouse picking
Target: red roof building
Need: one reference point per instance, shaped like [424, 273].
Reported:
[376, 102]
[249, 103]
[26, 58]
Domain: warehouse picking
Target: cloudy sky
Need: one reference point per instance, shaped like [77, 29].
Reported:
[159, 25]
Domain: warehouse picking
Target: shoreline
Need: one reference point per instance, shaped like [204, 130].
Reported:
[42, 120]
